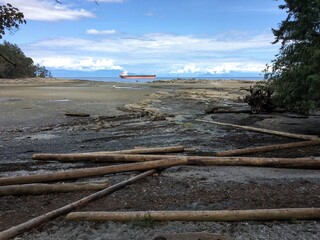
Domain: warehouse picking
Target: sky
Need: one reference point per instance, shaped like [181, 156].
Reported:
[163, 37]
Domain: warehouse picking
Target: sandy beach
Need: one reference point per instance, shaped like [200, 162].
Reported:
[69, 116]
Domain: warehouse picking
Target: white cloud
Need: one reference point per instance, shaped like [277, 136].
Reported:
[100, 32]
[48, 10]
[219, 68]
[160, 43]
[162, 52]
[75, 63]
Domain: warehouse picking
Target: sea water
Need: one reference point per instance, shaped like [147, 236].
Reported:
[146, 80]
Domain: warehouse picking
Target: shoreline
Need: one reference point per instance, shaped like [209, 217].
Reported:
[138, 81]
[37, 119]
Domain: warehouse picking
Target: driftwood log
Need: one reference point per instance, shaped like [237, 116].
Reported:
[88, 172]
[41, 188]
[268, 131]
[217, 216]
[84, 156]
[301, 163]
[101, 157]
[310, 162]
[227, 110]
[19, 229]
[145, 150]
[244, 151]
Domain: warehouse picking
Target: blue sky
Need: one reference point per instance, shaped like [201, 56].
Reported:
[164, 37]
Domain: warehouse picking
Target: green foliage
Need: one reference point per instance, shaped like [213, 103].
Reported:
[295, 73]
[14, 64]
[10, 19]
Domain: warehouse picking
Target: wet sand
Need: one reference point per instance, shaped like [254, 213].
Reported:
[32, 103]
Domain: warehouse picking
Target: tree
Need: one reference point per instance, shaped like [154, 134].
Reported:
[13, 62]
[295, 73]
[42, 72]
[10, 19]
[23, 66]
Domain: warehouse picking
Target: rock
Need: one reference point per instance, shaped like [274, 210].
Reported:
[191, 236]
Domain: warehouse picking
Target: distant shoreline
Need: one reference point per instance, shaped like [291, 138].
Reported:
[141, 80]
[112, 81]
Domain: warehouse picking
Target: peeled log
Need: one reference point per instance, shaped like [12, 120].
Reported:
[301, 163]
[204, 216]
[85, 156]
[311, 162]
[32, 223]
[88, 172]
[104, 157]
[243, 151]
[170, 149]
[41, 188]
[268, 131]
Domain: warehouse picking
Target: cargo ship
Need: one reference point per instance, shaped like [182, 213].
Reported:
[126, 75]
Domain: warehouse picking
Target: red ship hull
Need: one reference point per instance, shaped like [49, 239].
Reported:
[139, 76]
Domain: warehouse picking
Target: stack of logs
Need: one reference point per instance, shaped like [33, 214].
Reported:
[149, 159]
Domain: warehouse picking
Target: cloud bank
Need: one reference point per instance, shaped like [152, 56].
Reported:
[100, 32]
[219, 68]
[82, 64]
[155, 53]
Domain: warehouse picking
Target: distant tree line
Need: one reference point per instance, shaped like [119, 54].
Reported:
[15, 64]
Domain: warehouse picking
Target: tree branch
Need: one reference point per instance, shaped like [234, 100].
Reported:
[12, 63]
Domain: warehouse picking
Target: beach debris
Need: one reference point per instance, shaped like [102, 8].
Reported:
[243, 151]
[89, 172]
[146, 160]
[215, 110]
[144, 111]
[300, 163]
[42, 188]
[32, 223]
[260, 98]
[306, 162]
[262, 130]
[90, 155]
[281, 214]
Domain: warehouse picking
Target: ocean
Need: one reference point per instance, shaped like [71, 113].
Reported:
[143, 80]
